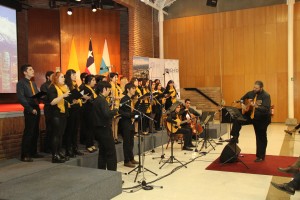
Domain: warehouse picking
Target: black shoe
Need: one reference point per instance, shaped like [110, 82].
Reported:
[158, 129]
[289, 132]
[259, 160]
[289, 170]
[191, 145]
[57, 159]
[37, 156]
[26, 159]
[117, 141]
[284, 187]
[187, 149]
[232, 140]
[62, 156]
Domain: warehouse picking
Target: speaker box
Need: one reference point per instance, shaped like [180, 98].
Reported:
[212, 3]
[230, 153]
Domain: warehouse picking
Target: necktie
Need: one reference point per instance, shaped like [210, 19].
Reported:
[32, 89]
[253, 110]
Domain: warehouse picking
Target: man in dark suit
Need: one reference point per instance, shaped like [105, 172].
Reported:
[102, 116]
[25, 90]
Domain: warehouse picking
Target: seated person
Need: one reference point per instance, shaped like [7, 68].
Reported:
[173, 118]
[293, 185]
[290, 132]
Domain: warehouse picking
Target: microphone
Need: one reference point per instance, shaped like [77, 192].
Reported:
[239, 101]
[122, 104]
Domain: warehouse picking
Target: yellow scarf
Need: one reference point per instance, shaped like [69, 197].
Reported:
[60, 91]
[94, 93]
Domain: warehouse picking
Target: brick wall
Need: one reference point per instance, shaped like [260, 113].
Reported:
[11, 132]
[201, 102]
[142, 32]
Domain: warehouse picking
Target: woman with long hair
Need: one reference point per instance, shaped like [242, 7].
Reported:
[171, 94]
[59, 108]
[88, 89]
[70, 136]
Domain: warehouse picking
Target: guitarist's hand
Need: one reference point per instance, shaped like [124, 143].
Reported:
[244, 107]
[178, 123]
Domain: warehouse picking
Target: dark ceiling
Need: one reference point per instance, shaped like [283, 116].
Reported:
[55, 4]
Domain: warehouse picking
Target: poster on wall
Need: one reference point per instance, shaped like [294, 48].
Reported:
[172, 73]
[140, 67]
[156, 69]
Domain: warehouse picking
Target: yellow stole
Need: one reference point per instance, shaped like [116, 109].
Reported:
[61, 104]
[94, 93]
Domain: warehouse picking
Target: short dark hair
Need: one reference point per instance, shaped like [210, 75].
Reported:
[25, 67]
[113, 74]
[48, 74]
[128, 86]
[186, 100]
[83, 75]
[101, 85]
[260, 83]
[88, 78]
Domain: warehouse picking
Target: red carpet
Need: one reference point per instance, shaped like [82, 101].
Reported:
[267, 167]
[14, 107]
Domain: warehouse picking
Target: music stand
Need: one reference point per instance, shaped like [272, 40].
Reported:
[235, 114]
[206, 117]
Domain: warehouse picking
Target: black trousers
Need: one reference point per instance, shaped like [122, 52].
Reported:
[31, 133]
[295, 183]
[72, 129]
[88, 128]
[127, 129]
[260, 128]
[107, 158]
[59, 125]
[187, 135]
[157, 118]
[48, 117]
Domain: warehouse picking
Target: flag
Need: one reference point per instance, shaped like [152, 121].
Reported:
[90, 63]
[73, 61]
[105, 61]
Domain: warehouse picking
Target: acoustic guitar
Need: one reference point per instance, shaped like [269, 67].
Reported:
[246, 106]
[173, 127]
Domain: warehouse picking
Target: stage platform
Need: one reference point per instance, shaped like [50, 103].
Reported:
[78, 178]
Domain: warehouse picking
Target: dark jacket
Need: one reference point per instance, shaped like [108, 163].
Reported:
[24, 94]
[263, 99]
[102, 115]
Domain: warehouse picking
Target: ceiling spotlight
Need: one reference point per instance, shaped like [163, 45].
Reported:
[77, 0]
[70, 12]
[94, 9]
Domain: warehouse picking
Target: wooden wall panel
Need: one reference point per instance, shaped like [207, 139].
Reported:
[233, 49]
[43, 42]
[82, 26]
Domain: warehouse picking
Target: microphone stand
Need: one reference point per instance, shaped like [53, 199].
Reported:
[140, 168]
[161, 138]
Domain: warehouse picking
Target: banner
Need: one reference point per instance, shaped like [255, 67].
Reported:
[140, 67]
[156, 69]
[105, 66]
[73, 62]
[90, 63]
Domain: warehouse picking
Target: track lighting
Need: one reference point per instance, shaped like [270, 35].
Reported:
[94, 9]
[70, 12]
